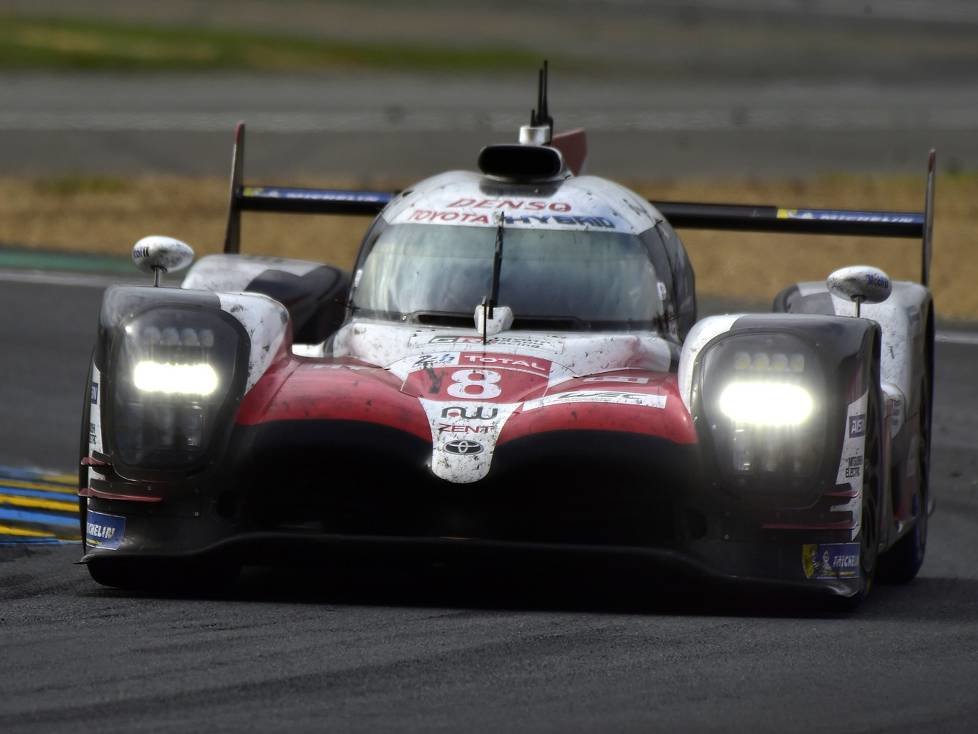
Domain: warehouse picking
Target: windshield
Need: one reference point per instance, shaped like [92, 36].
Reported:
[549, 278]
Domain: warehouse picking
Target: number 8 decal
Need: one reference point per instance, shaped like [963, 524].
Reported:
[475, 384]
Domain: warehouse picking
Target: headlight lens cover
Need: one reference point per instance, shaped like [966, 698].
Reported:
[175, 369]
[172, 378]
[766, 403]
[763, 397]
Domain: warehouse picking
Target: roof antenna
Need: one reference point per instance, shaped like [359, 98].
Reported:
[541, 128]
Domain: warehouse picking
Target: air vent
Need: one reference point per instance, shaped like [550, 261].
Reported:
[521, 162]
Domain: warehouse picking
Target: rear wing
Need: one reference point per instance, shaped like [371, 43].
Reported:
[683, 215]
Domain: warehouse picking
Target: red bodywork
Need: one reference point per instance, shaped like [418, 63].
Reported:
[297, 389]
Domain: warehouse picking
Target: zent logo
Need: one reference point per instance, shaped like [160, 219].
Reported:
[475, 384]
[463, 447]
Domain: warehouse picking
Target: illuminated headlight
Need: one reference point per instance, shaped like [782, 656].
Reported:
[762, 403]
[169, 378]
[760, 395]
[175, 373]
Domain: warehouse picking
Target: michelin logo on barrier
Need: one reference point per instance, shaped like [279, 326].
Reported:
[104, 531]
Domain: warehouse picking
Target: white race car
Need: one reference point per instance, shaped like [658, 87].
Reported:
[514, 364]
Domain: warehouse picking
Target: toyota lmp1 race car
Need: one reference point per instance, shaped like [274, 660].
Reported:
[514, 364]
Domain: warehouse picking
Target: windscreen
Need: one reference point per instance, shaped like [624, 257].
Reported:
[565, 278]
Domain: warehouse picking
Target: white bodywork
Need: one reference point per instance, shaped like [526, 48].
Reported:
[232, 273]
[265, 320]
[699, 336]
[584, 203]
[393, 346]
[902, 325]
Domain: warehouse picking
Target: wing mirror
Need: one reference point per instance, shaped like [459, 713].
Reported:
[860, 284]
[158, 254]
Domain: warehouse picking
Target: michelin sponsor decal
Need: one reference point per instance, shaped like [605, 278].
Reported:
[104, 531]
[835, 215]
[830, 561]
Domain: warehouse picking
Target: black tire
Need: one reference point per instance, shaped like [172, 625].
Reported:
[870, 523]
[902, 562]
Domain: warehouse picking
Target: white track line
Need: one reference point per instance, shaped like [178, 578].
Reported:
[80, 280]
[968, 338]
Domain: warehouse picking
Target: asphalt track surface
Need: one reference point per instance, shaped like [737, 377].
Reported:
[508, 648]
[406, 126]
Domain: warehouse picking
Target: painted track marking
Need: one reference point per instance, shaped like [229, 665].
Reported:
[966, 338]
[37, 506]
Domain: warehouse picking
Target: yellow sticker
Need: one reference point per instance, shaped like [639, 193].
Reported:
[809, 559]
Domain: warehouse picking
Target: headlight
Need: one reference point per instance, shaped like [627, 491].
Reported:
[174, 373]
[762, 396]
[764, 403]
[170, 378]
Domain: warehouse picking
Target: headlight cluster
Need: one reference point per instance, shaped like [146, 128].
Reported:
[764, 390]
[761, 395]
[174, 369]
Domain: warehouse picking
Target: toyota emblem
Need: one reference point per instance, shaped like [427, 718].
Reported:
[463, 446]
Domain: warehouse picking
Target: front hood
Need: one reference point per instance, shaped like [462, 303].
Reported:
[399, 347]
[469, 391]
[470, 398]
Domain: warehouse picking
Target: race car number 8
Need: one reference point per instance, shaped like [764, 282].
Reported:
[475, 384]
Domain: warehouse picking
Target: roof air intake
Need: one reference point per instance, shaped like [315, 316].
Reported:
[521, 162]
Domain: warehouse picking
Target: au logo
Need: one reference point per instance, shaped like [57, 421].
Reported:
[480, 413]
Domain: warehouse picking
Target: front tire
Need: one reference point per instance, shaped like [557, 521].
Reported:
[902, 562]
[870, 518]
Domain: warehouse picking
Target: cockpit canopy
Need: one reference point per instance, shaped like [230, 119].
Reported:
[552, 279]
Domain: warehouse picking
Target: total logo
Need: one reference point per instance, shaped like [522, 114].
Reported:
[463, 447]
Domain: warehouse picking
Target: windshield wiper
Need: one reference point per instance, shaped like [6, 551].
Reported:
[492, 300]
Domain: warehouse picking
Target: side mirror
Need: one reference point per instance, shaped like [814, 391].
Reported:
[860, 284]
[158, 254]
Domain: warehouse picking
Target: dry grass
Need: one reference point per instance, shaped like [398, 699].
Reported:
[107, 215]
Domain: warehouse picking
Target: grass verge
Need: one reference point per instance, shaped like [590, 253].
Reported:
[106, 215]
[58, 43]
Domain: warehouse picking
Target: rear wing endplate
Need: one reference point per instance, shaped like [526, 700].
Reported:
[683, 215]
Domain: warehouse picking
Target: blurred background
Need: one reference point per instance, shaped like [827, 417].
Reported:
[116, 116]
